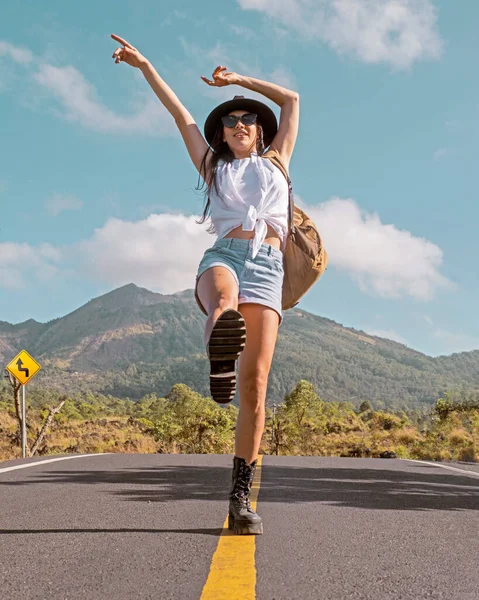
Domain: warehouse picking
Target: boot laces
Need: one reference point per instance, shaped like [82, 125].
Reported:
[243, 484]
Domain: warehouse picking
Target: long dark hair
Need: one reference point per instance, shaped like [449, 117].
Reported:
[220, 151]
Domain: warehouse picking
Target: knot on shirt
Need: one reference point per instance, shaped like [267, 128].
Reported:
[253, 223]
[249, 222]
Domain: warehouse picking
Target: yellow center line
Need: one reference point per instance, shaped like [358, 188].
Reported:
[233, 573]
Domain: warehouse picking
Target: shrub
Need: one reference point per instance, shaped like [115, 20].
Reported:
[459, 437]
[386, 421]
[407, 436]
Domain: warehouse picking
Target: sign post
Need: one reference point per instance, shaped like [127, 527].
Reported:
[24, 424]
[23, 367]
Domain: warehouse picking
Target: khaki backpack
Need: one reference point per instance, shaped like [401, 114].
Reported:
[304, 258]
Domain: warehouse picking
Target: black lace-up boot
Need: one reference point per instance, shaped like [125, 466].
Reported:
[241, 518]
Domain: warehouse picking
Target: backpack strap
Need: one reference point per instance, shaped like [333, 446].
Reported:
[275, 158]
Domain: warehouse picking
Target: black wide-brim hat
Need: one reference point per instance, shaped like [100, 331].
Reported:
[266, 117]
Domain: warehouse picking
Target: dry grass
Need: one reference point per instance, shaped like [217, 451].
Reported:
[85, 437]
[407, 436]
[459, 437]
[456, 439]
[8, 434]
[106, 435]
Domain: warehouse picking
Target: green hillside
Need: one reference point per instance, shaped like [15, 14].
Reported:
[131, 342]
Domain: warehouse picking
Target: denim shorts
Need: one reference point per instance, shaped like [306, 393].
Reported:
[259, 279]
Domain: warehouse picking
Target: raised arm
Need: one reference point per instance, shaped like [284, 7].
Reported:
[287, 100]
[194, 140]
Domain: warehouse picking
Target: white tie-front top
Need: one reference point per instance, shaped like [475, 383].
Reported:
[252, 193]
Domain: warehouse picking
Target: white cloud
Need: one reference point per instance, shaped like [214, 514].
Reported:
[245, 33]
[79, 102]
[58, 204]
[457, 341]
[282, 76]
[398, 32]
[440, 153]
[220, 55]
[217, 55]
[160, 253]
[18, 54]
[389, 334]
[382, 259]
[451, 341]
[176, 15]
[10, 58]
[21, 263]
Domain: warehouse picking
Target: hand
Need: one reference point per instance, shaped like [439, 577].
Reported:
[220, 79]
[127, 54]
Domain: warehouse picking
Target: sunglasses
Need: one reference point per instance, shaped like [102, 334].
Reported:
[232, 120]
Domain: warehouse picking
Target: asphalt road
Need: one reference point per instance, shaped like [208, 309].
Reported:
[147, 526]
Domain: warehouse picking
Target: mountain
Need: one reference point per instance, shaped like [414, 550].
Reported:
[131, 342]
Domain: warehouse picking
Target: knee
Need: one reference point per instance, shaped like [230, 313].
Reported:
[222, 302]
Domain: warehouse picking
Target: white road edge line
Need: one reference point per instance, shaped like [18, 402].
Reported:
[49, 460]
[435, 464]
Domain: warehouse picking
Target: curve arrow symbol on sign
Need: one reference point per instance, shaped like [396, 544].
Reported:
[21, 368]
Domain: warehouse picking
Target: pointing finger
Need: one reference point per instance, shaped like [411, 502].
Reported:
[121, 40]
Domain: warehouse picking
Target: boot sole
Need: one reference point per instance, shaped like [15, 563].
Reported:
[243, 527]
[227, 341]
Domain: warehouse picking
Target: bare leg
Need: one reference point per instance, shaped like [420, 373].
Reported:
[254, 366]
[217, 290]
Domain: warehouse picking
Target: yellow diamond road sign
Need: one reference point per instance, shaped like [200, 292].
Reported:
[23, 367]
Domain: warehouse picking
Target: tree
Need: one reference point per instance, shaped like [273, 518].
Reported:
[365, 406]
[194, 424]
[52, 411]
[443, 407]
[301, 420]
[16, 387]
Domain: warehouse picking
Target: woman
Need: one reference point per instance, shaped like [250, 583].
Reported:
[239, 280]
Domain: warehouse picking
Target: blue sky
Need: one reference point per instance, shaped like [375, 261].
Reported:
[97, 190]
